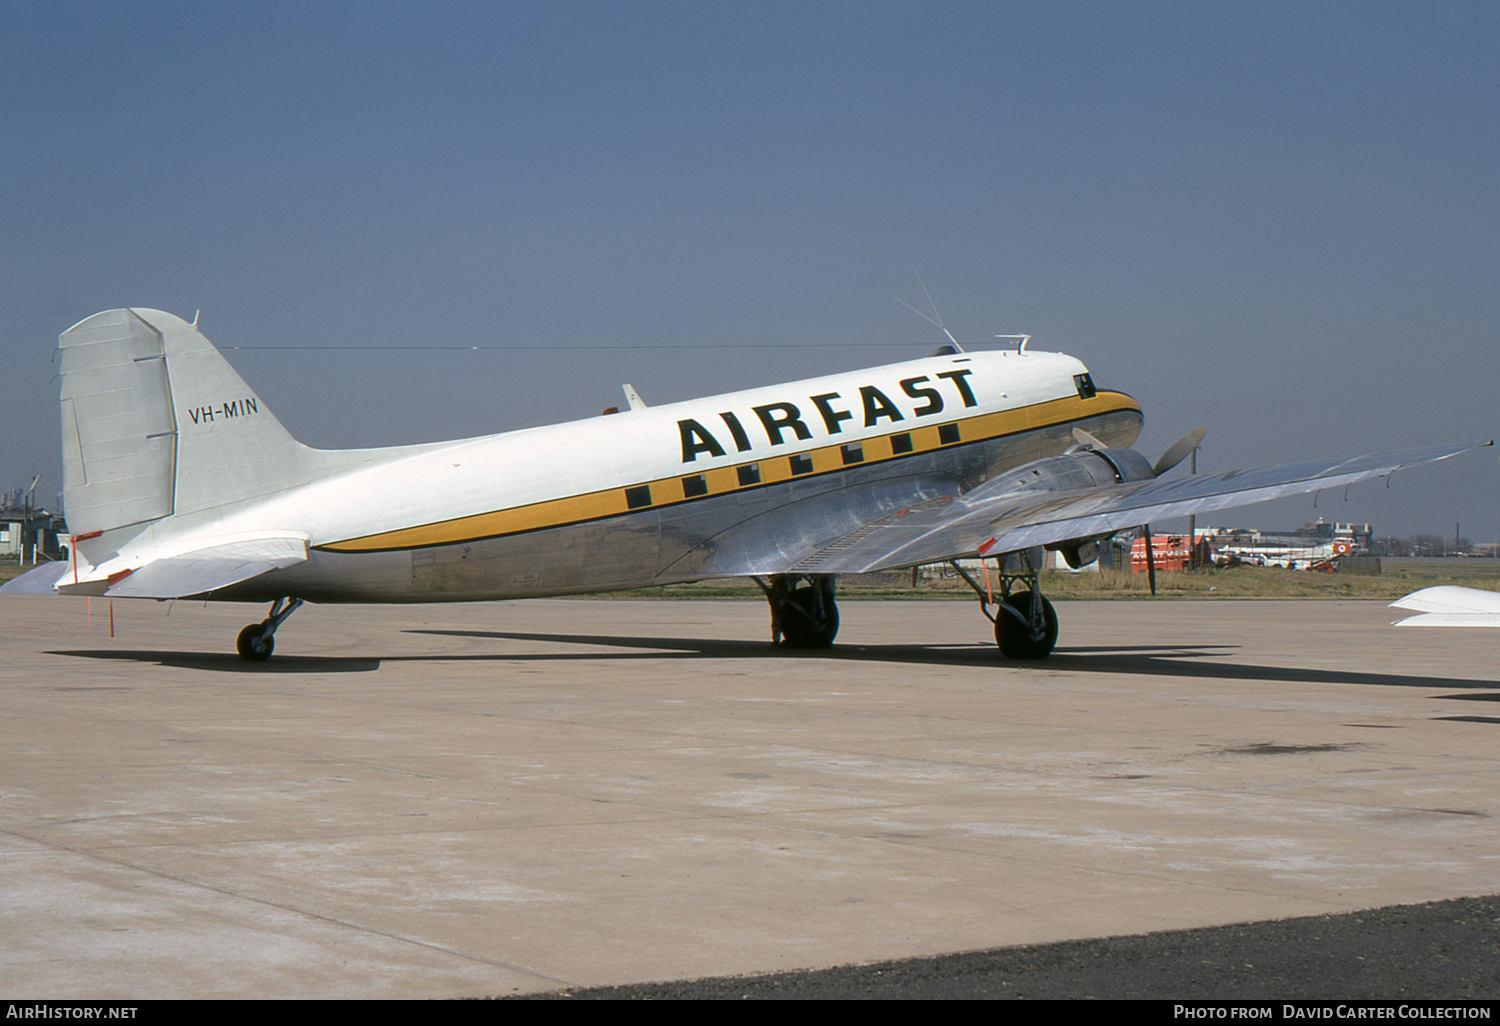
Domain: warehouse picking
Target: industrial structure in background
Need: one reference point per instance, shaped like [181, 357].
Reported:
[27, 534]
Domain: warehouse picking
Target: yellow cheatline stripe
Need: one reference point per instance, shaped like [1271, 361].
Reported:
[669, 491]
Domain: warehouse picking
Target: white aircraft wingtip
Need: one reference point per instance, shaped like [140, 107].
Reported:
[1448, 605]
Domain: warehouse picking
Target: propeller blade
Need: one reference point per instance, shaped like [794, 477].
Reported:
[1087, 440]
[1175, 455]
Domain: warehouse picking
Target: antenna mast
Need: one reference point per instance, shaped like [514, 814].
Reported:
[933, 318]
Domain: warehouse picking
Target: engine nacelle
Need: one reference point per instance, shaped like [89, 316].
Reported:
[1083, 468]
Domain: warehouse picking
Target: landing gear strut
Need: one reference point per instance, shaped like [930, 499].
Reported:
[257, 641]
[803, 615]
[1025, 622]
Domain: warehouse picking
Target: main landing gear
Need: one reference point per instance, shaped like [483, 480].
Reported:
[1025, 622]
[803, 615]
[257, 641]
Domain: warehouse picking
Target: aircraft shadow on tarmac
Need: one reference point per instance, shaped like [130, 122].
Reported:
[1205, 661]
[1153, 660]
[230, 662]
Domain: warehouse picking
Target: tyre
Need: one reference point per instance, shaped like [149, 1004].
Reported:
[1013, 631]
[800, 627]
[253, 648]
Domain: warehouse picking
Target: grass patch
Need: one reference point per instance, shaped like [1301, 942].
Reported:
[10, 568]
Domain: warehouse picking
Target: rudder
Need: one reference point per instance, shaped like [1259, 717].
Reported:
[155, 423]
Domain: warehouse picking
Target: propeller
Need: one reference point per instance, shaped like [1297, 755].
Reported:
[1087, 440]
[1169, 459]
[1179, 451]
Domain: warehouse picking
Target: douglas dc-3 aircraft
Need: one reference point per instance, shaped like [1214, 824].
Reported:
[179, 482]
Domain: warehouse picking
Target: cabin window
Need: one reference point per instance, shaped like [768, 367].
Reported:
[801, 464]
[637, 497]
[948, 433]
[694, 486]
[852, 453]
[900, 443]
[749, 474]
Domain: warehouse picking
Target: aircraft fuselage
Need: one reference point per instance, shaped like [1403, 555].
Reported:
[653, 496]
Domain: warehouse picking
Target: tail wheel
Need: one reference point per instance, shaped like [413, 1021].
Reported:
[254, 647]
[1018, 636]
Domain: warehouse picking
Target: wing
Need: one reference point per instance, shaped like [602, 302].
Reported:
[914, 525]
[1450, 606]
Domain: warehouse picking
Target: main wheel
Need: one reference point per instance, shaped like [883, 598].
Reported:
[801, 627]
[1013, 628]
[254, 648]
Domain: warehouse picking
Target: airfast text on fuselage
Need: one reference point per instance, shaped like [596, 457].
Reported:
[784, 422]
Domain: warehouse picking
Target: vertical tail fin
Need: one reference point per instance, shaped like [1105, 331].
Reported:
[155, 423]
[119, 437]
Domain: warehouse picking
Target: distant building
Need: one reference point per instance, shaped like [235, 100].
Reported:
[26, 534]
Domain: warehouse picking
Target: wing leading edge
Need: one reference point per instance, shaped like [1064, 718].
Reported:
[998, 517]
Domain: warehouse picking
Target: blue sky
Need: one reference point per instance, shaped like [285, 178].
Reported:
[1274, 220]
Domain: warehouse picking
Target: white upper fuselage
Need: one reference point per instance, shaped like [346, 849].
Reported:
[538, 465]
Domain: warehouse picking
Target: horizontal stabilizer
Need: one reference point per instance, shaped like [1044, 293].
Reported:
[210, 569]
[39, 580]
